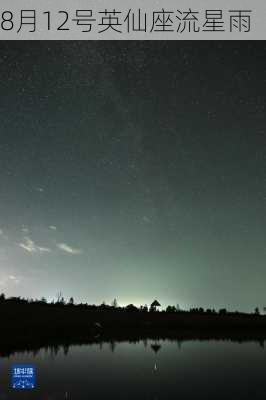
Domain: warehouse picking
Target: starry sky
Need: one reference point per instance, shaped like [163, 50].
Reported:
[134, 170]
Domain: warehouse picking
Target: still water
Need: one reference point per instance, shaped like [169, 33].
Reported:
[143, 370]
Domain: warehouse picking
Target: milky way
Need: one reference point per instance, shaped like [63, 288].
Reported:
[134, 170]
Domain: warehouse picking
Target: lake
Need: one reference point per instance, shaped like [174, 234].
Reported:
[149, 369]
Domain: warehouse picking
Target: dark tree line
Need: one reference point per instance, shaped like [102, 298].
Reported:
[60, 301]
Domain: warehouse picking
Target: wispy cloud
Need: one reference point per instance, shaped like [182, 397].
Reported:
[6, 281]
[44, 249]
[14, 279]
[53, 227]
[30, 246]
[68, 249]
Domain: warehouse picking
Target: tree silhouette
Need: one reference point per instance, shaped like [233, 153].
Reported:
[154, 304]
[131, 307]
[144, 308]
[171, 309]
[60, 298]
[114, 303]
[43, 300]
[71, 301]
[222, 311]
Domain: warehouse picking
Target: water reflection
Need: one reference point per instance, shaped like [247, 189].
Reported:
[156, 347]
[154, 344]
[142, 369]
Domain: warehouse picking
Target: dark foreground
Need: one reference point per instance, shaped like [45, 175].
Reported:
[33, 325]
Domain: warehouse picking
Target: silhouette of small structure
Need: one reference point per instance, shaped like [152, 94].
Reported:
[154, 304]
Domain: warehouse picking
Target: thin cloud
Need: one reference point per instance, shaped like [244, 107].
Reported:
[53, 227]
[44, 249]
[68, 249]
[30, 246]
[14, 279]
[8, 281]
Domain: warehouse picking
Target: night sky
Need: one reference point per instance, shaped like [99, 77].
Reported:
[134, 170]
